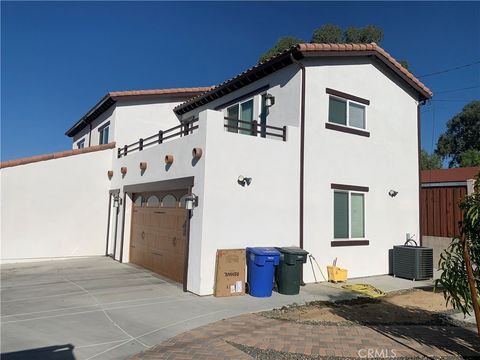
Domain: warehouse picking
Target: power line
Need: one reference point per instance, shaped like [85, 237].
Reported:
[459, 89]
[450, 69]
[448, 100]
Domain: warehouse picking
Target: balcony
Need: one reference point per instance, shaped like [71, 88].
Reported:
[253, 128]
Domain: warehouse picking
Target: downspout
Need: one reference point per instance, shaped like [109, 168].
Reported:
[90, 135]
[108, 222]
[302, 147]
[123, 225]
[420, 226]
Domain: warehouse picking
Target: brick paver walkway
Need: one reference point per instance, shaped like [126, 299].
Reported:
[211, 341]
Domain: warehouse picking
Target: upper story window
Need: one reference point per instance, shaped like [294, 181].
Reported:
[242, 111]
[103, 134]
[346, 112]
[81, 144]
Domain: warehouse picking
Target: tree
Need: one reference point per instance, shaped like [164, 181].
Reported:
[470, 158]
[460, 262]
[429, 162]
[282, 44]
[328, 33]
[368, 34]
[461, 135]
[404, 63]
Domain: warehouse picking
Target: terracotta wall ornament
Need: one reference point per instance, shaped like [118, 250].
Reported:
[168, 159]
[110, 174]
[197, 153]
[123, 170]
[143, 166]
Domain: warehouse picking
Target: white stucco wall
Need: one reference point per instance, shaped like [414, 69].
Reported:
[137, 119]
[262, 214]
[283, 84]
[131, 119]
[386, 160]
[55, 208]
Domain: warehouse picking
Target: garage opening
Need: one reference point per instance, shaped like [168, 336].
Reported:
[159, 233]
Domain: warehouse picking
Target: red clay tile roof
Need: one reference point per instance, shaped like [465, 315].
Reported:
[364, 47]
[176, 91]
[109, 99]
[56, 155]
[300, 51]
[449, 175]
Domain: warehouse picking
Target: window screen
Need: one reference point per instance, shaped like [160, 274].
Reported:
[246, 115]
[232, 114]
[337, 111]
[340, 215]
[357, 215]
[356, 115]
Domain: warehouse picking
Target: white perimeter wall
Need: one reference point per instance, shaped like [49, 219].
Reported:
[55, 208]
[386, 160]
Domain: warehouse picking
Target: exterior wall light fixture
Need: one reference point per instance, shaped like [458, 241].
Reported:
[242, 180]
[191, 201]
[393, 193]
[269, 100]
[117, 201]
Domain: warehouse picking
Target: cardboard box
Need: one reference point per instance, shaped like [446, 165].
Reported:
[230, 272]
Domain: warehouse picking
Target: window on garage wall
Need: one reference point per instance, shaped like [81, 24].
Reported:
[153, 201]
[169, 201]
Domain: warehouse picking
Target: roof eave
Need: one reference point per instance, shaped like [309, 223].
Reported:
[240, 81]
[372, 53]
[84, 120]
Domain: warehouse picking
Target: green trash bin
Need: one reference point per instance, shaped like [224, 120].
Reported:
[289, 270]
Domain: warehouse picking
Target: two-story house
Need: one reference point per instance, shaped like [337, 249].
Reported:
[316, 147]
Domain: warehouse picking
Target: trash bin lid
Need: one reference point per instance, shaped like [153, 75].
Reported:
[265, 251]
[294, 250]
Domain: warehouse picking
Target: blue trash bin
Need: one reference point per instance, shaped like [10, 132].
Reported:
[261, 262]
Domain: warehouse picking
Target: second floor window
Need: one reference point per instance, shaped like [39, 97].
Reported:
[103, 134]
[81, 144]
[243, 112]
[346, 112]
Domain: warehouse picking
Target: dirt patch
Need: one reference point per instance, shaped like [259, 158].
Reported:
[408, 307]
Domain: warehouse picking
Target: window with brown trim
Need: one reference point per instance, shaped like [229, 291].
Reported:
[348, 214]
[347, 113]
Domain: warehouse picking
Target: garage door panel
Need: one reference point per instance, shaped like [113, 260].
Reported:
[158, 237]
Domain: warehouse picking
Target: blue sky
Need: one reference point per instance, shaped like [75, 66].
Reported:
[58, 59]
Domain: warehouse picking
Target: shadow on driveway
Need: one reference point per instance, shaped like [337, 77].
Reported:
[58, 352]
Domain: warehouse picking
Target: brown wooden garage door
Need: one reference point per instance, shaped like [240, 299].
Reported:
[158, 237]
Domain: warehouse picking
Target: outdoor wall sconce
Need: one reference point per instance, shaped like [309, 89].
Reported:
[269, 100]
[143, 166]
[110, 174]
[117, 201]
[123, 170]
[392, 193]
[242, 180]
[197, 153]
[191, 201]
[168, 159]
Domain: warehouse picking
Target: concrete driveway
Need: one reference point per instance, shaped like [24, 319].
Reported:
[97, 308]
